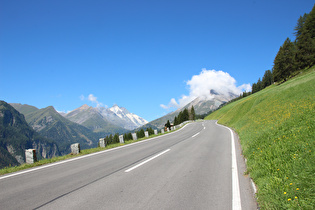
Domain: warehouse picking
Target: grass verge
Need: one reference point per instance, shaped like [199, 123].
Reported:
[276, 129]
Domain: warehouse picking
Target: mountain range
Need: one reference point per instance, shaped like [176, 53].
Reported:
[109, 119]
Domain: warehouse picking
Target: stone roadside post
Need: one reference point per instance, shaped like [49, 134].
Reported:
[102, 142]
[30, 156]
[75, 148]
[146, 134]
[134, 136]
[121, 139]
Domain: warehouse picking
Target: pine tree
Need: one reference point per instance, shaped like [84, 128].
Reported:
[299, 26]
[284, 63]
[254, 88]
[150, 131]
[305, 44]
[185, 115]
[192, 113]
[175, 120]
[110, 139]
[116, 138]
[259, 85]
[129, 136]
[267, 79]
[168, 124]
[140, 134]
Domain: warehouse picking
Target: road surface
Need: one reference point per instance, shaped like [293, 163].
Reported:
[187, 169]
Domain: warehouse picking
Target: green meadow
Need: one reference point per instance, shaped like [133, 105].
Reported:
[276, 127]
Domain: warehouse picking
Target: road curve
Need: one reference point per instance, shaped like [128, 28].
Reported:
[188, 169]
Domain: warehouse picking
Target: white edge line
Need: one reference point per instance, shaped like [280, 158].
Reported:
[85, 156]
[140, 164]
[236, 196]
[195, 135]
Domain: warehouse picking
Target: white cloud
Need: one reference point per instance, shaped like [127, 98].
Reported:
[172, 104]
[201, 84]
[93, 99]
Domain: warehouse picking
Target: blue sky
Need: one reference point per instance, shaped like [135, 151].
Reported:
[138, 54]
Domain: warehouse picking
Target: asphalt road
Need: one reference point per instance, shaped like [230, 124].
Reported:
[187, 169]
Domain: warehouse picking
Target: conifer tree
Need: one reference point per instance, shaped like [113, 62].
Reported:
[299, 26]
[150, 131]
[254, 88]
[129, 136]
[267, 79]
[192, 113]
[284, 63]
[305, 42]
[259, 85]
[140, 134]
[116, 138]
[110, 138]
[168, 124]
[175, 120]
[185, 115]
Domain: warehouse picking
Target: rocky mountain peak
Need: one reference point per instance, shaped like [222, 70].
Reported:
[213, 92]
[84, 107]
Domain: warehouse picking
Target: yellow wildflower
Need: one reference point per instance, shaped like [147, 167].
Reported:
[285, 193]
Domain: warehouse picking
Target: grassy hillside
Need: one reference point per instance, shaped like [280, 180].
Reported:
[277, 132]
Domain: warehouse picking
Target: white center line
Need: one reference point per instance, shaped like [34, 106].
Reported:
[195, 135]
[140, 164]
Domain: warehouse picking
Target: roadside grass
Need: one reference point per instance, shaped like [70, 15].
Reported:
[277, 132]
[41, 162]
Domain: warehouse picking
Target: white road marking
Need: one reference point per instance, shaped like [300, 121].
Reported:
[140, 164]
[236, 196]
[195, 135]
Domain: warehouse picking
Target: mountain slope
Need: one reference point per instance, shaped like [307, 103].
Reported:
[24, 108]
[49, 123]
[16, 136]
[277, 129]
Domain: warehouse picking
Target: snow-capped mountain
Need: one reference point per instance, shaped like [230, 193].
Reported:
[123, 113]
[98, 117]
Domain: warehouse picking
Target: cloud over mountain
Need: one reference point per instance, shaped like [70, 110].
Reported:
[201, 84]
[92, 99]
